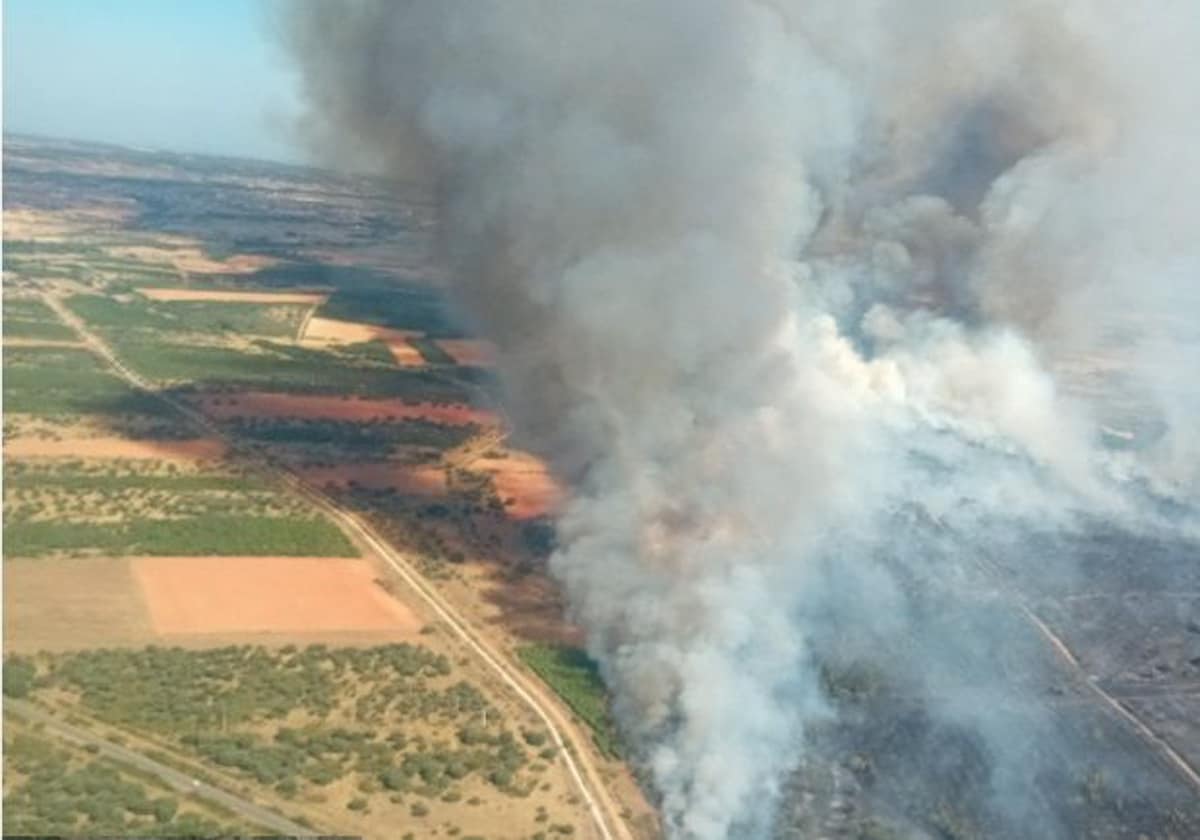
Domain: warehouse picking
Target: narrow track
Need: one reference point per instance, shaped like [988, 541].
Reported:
[603, 810]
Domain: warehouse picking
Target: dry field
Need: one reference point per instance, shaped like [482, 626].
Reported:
[69, 604]
[195, 449]
[222, 296]
[322, 332]
[288, 595]
[353, 409]
[466, 351]
[186, 256]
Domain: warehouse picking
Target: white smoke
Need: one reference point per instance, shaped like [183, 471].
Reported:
[764, 275]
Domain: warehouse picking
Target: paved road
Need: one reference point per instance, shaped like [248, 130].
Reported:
[604, 811]
[181, 781]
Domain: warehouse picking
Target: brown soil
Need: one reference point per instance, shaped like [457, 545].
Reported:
[68, 604]
[292, 595]
[466, 351]
[354, 409]
[232, 296]
[196, 449]
[526, 480]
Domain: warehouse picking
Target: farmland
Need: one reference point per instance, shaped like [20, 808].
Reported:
[302, 316]
[171, 587]
[389, 734]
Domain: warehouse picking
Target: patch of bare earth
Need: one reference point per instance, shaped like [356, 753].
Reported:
[186, 256]
[273, 595]
[195, 449]
[353, 409]
[53, 604]
[323, 332]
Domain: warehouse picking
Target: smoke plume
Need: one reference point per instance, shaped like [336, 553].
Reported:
[811, 304]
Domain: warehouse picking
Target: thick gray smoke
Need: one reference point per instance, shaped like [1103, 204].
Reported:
[789, 291]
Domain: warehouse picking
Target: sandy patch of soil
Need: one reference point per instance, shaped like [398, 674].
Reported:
[223, 296]
[291, 595]
[331, 329]
[73, 603]
[354, 409]
[322, 332]
[187, 257]
[469, 351]
[195, 449]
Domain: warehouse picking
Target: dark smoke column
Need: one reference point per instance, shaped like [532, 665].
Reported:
[761, 274]
[620, 193]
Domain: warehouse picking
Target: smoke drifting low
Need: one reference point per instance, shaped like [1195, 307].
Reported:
[811, 303]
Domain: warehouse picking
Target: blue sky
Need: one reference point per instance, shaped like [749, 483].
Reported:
[185, 75]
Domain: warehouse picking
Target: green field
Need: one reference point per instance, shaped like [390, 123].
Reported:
[284, 367]
[28, 318]
[575, 678]
[137, 313]
[65, 381]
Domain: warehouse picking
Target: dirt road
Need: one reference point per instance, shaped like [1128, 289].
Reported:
[582, 769]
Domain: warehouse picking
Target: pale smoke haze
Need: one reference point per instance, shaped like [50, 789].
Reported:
[768, 278]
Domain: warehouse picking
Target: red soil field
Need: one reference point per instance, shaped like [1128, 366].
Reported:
[197, 449]
[293, 595]
[526, 480]
[355, 409]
